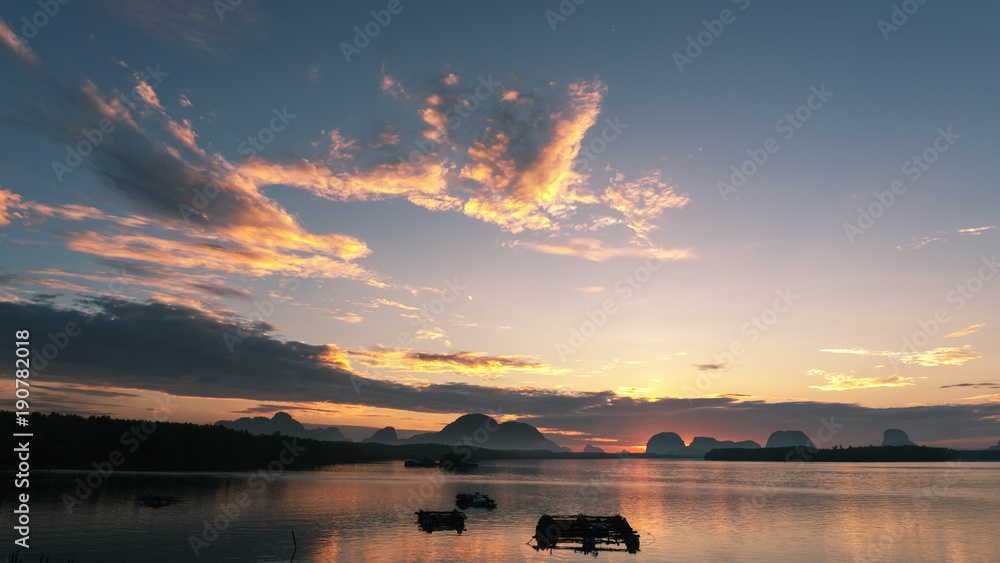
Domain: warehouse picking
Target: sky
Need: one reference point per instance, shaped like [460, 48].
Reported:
[713, 218]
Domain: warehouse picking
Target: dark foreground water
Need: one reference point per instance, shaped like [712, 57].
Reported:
[684, 511]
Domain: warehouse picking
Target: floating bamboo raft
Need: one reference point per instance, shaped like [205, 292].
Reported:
[434, 521]
[585, 533]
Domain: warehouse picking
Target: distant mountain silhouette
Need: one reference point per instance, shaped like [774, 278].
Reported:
[705, 445]
[284, 424]
[588, 449]
[664, 443]
[386, 435]
[788, 438]
[996, 447]
[895, 437]
[482, 430]
[672, 444]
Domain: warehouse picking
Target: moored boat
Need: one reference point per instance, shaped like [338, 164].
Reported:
[432, 520]
[474, 500]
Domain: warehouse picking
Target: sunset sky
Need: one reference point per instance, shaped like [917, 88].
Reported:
[585, 220]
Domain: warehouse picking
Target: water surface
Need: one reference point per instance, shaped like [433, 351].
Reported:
[684, 511]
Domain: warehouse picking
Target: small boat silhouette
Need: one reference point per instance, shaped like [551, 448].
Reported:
[474, 500]
[434, 521]
[157, 501]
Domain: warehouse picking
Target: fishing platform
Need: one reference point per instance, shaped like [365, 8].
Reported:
[588, 532]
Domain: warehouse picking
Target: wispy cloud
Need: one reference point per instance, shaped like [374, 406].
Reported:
[981, 384]
[459, 363]
[10, 206]
[710, 367]
[643, 200]
[594, 249]
[964, 331]
[16, 46]
[212, 29]
[935, 357]
[391, 86]
[976, 230]
[844, 382]
[919, 242]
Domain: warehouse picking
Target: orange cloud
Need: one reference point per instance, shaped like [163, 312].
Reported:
[643, 200]
[72, 212]
[934, 357]
[391, 86]
[459, 363]
[335, 357]
[146, 93]
[594, 250]
[250, 253]
[509, 96]
[976, 230]
[843, 382]
[523, 202]
[438, 123]
[489, 164]
[517, 188]
[965, 331]
[423, 183]
[340, 146]
[12, 42]
[10, 202]
[391, 303]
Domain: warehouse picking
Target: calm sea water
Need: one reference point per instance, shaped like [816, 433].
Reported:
[684, 511]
